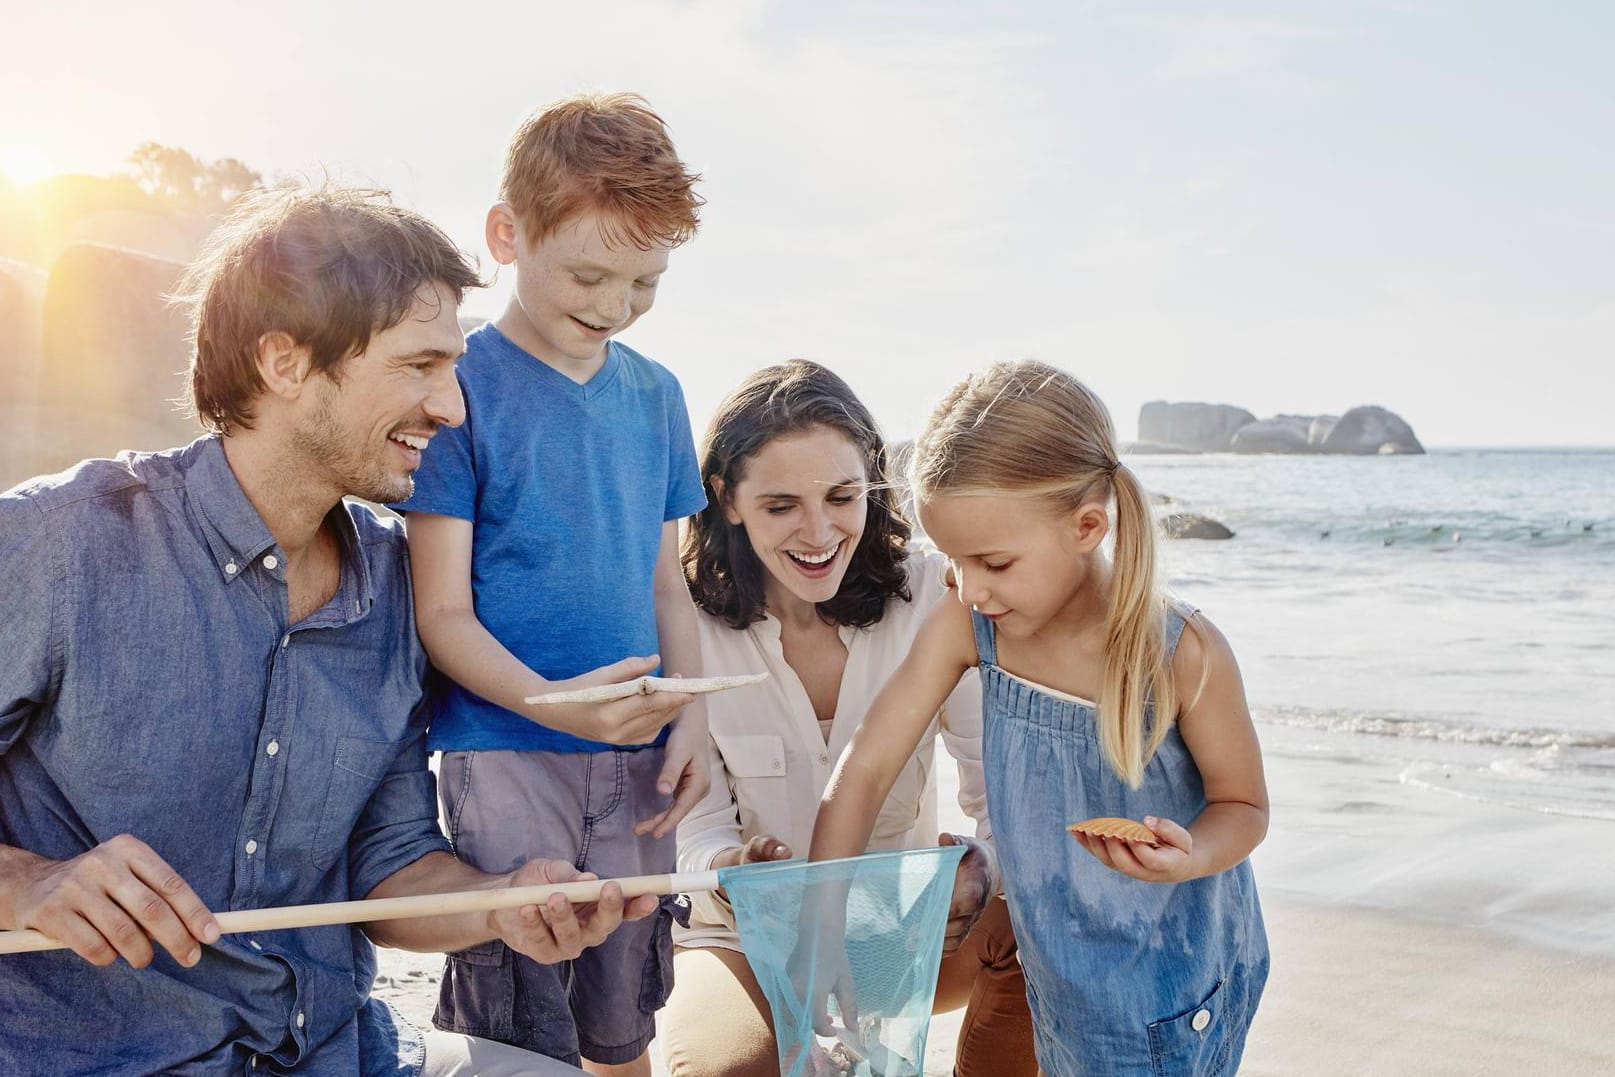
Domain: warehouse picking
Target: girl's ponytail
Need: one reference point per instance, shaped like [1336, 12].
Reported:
[1136, 671]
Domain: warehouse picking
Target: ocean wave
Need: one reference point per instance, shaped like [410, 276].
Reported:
[1538, 789]
[1437, 729]
[1552, 771]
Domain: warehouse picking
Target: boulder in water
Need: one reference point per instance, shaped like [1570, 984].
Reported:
[1188, 525]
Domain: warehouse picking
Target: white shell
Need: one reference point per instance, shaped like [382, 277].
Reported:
[644, 686]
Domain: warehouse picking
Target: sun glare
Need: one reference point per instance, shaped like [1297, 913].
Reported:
[23, 165]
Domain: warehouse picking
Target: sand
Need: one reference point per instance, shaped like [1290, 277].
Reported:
[1412, 932]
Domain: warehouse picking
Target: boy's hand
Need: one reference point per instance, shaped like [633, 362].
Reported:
[684, 774]
[632, 720]
[558, 930]
[1166, 863]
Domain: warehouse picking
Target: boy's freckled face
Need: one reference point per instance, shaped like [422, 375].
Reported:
[575, 290]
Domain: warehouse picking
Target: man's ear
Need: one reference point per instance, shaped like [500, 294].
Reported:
[283, 364]
[502, 233]
[1090, 523]
[720, 494]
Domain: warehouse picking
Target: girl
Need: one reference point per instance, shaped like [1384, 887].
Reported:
[802, 566]
[1100, 698]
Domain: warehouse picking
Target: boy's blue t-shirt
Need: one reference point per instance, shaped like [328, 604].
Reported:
[567, 487]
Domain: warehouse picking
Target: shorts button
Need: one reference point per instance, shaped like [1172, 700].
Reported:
[1201, 1020]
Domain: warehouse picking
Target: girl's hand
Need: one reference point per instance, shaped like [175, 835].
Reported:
[1166, 863]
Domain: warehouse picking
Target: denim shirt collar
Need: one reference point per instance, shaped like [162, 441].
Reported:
[236, 535]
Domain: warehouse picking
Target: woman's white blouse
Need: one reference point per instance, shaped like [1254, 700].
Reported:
[769, 760]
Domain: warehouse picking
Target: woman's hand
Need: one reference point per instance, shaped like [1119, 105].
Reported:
[763, 849]
[972, 887]
[1166, 863]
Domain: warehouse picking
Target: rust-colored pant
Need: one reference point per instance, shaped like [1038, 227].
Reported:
[717, 1022]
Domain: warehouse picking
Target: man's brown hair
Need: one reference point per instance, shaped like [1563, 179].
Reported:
[328, 267]
[603, 153]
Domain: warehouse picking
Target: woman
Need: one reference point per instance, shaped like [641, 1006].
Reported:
[801, 566]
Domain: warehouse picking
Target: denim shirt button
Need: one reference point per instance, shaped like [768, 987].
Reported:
[1201, 1020]
[230, 568]
[271, 562]
[252, 846]
[255, 944]
[273, 748]
[299, 1018]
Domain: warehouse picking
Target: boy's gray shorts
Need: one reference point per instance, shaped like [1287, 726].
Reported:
[506, 808]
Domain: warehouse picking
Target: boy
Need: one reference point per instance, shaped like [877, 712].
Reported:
[543, 536]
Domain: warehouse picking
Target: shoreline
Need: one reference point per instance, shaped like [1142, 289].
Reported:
[1352, 991]
[1413, 931]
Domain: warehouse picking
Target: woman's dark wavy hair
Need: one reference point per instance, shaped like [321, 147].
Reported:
[726, 578]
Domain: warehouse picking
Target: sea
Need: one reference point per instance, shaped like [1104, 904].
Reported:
[1428, 648]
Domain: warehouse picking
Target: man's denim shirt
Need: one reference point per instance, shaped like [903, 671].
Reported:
[150, 684]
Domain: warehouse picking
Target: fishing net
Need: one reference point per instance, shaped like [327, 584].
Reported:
[874, 921]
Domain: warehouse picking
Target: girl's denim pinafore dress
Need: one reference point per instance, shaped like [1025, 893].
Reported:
[1123, 976]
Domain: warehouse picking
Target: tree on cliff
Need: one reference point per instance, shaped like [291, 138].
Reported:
[177, 176]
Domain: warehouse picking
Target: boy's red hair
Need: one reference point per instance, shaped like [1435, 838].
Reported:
[603, 153]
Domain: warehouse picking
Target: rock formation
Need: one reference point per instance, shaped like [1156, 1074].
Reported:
[1178, 428]
[1372, 430]
[22, 320]
[1282, 433]
[1195, 427]
[115, 355]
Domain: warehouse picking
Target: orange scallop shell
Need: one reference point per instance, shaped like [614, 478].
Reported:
[1110, 827]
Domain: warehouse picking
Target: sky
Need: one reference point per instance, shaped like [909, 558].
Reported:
[1293, 207]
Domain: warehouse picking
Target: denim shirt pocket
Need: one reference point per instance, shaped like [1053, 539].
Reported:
[1197, 1040]
[357, 767]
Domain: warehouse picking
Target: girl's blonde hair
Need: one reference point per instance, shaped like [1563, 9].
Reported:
[1027, 429]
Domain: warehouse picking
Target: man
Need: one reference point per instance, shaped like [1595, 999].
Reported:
[210, 685]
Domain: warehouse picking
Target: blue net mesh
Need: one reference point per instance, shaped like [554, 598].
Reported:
[878, 917]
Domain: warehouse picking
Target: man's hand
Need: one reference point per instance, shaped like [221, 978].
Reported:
[114, 901]
[684, 775]
[634, 719]
[972, 887]
[558, 930]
